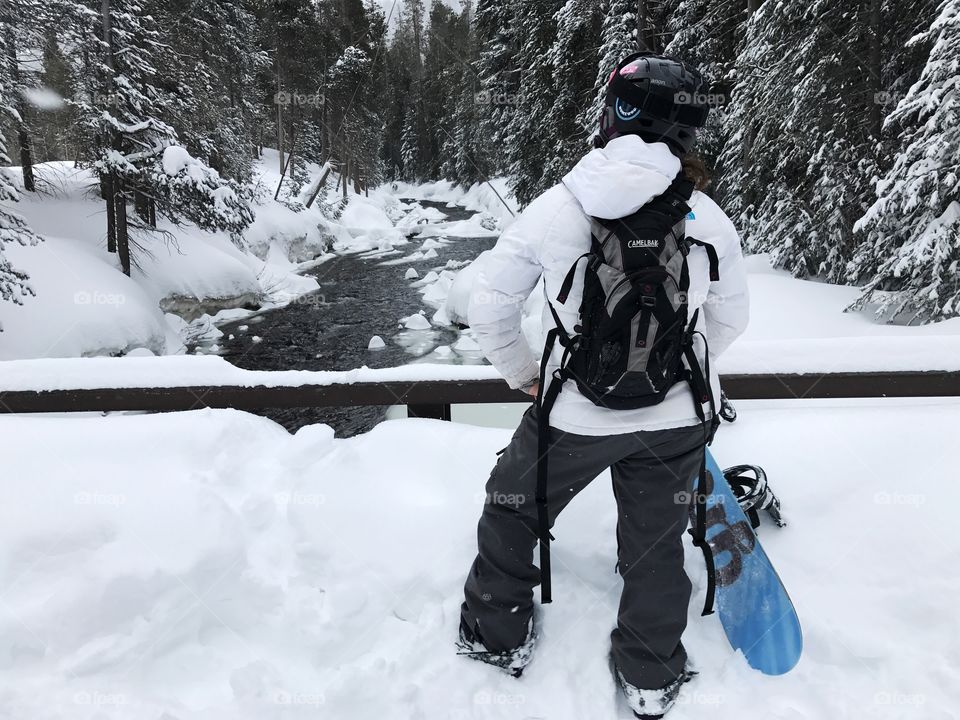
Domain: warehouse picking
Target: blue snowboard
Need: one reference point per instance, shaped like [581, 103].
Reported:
[754, 608]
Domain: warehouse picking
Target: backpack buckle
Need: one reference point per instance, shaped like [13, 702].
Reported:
[648, 301]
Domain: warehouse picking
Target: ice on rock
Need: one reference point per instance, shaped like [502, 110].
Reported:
[417, 321]
[376, 343]
[430, 277]
[411, 274]
[466, 344]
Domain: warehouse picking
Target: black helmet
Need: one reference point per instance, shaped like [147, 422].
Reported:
[658, 97]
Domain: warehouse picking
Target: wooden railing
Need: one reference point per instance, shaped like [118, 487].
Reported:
[434, 398]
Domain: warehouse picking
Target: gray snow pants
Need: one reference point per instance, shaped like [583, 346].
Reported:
[653, 475]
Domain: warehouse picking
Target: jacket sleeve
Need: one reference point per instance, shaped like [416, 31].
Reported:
[507, 276]
[727, 307]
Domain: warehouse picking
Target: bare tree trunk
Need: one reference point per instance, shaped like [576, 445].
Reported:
[320, 183]
[140, 204]
[278, 98]
[876, 67]
[345, 174]
[123, 236]
[288, 163]
[107, 188]
[23, 135]
[111, 183]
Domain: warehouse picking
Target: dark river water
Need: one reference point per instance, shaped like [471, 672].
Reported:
[329, 329]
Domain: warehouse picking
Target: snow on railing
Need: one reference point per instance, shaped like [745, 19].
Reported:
[189, 382]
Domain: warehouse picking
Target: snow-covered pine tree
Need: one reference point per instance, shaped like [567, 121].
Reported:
[410, 150]
[350, 92]
[801, 146]
[497, 73]
[406, 74]
[465, 152]
[444, 63]
[573, 57]
[618, 38]
[534, 133]
[125, 112]
[911, 246]
[23, 24]
[52, 140]
[14, 283]
[708, 35]
[214, 63]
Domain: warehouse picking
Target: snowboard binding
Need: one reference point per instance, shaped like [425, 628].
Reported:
[753, 493]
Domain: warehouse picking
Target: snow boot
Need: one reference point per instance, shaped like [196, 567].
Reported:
[470, 643]
[652, 704]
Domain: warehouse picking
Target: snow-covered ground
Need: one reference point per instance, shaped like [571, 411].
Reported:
[209, 565]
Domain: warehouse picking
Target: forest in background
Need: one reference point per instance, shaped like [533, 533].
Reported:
[834, 140]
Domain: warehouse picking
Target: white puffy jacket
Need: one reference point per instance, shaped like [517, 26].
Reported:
[549, 236]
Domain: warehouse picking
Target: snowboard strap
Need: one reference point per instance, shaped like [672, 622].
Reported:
[545, 401]
[699, 380]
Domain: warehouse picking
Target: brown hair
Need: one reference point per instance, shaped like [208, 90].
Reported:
[696, 170]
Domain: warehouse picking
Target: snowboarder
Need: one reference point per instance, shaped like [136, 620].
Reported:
[654, 104]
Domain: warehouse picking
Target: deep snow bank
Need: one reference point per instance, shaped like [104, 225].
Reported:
[208, 565]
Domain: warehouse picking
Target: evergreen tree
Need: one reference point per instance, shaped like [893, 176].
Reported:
[14, 283]
[572, 57]
[911, 247]
[534, 132]
[618, 38]
[134, 87]
[497, 73]
[801, 146]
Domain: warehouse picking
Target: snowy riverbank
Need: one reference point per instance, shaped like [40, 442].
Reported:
[209, 565]
[186, 279]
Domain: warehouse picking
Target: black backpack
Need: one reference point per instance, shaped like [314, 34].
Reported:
[634, 331]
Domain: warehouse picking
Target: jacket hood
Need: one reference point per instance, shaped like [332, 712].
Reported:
[619, 179]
